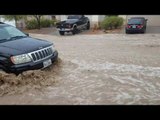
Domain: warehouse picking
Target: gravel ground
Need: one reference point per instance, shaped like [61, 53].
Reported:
[100, 69]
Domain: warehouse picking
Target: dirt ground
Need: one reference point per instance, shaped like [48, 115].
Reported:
[92, 69]
[48, 31]
[53, 31]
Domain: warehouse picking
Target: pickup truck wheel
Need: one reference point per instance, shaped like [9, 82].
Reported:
[88, 26]
[61, 32]
[74, 31]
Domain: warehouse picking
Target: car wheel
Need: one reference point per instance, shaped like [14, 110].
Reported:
[61, 32]
[127, 32]
[143, 31]
[88, 26]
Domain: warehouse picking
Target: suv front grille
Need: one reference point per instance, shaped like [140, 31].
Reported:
[41, 54]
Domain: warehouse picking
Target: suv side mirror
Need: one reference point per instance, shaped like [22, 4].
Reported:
[146, 19]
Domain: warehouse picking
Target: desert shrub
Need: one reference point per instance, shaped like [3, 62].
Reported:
[32, 24]
[45, 23]
[111, 22]
[119, 22]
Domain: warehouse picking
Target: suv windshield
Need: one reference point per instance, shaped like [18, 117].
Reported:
[9, 32]
[135, 21]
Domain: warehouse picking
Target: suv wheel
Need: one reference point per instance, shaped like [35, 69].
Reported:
[2, 68]
[61, 32]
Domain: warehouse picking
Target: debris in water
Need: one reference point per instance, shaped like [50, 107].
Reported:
[32, 79]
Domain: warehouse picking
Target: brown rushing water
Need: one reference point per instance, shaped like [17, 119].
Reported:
[93, 69]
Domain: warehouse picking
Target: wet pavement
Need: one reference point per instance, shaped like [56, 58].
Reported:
[100, 69]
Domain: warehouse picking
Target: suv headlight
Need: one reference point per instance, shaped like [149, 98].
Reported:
[24, 58]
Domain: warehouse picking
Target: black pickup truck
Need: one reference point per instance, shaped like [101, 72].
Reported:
[74, 23]
[20, 52]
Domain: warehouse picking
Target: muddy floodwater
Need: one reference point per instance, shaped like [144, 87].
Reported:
[91, 69]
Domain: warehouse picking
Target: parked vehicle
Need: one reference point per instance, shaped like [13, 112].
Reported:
[74, 23]
[136, 24]
[20, 52]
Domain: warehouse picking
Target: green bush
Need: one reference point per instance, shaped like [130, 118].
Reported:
[111, 22]
[119, 22]
[32, 24]
[45, 23]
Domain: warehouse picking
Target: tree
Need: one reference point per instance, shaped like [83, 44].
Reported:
[16, 18]
[38, 18]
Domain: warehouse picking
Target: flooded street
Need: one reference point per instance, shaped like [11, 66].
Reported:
[92, 69]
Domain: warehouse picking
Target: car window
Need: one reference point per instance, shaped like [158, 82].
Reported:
[9, 31]
[135, 21]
